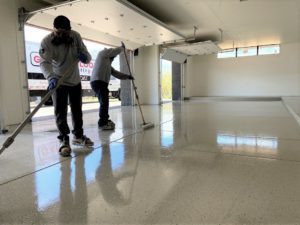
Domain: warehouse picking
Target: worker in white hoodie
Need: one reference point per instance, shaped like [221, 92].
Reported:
[60, 53]
[99, 82]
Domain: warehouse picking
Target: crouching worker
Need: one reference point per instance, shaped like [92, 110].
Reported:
[60, 53]
[99, 82]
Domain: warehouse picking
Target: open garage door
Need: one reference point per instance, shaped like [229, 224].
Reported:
[109, 22]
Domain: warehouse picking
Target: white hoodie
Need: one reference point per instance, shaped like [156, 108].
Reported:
[57, 59]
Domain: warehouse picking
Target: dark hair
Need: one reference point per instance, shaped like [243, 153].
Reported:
[62, 22]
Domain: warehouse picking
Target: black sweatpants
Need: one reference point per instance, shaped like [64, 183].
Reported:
[61, 97]
[102, 92]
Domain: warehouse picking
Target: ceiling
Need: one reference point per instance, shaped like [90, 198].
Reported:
[227, 23]
[230, 22]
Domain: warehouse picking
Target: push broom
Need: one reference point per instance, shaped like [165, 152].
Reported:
[11, 138]
[144, 124]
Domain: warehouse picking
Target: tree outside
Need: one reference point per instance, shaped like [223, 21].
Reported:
[166, 80]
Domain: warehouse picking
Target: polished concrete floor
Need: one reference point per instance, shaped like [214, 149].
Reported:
[204, 162]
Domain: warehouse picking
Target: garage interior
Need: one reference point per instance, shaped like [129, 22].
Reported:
[225, 152]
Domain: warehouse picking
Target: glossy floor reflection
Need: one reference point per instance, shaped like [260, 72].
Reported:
[229, 162]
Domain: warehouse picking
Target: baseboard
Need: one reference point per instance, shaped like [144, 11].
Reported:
[235, 98]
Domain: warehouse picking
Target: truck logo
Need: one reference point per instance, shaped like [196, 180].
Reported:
[35, 59]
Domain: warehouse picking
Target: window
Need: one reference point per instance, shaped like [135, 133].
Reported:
[229, 53]
[249, 51]
[241, 52]
[268, 49]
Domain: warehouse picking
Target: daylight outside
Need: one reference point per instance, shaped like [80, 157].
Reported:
[166, 80]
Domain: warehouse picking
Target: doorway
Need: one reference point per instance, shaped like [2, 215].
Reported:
[37, 84]
[166, 81]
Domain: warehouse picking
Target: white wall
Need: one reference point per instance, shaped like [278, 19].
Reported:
[14, 104]
[14, 99]
[146, 73]
[269, 75]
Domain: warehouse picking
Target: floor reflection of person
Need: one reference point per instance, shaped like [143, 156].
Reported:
[108, 181]
[73, 206]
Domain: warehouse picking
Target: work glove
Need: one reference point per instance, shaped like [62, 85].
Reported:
[52, 83]
[82, 57]
[123, 45]
[130, 77]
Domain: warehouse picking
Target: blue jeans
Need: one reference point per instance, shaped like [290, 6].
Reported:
[102, 92]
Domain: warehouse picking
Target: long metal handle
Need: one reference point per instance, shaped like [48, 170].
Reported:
[134, 87]
[11, 138]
